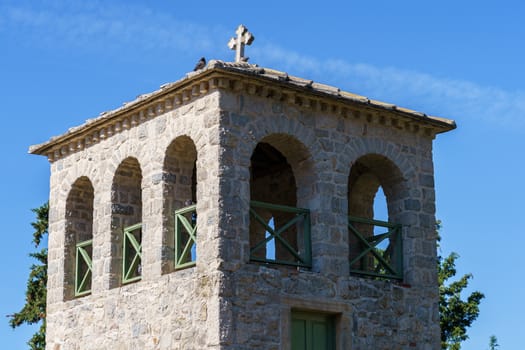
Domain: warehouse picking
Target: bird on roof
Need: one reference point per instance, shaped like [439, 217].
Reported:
[201, 64]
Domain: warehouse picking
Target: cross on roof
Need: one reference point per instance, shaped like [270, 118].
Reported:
[244, 37]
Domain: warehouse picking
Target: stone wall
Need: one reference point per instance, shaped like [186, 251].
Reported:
[138, 175]
[202, 151]
[323, 148]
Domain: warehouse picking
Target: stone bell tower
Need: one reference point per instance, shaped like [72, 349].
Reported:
[233, 209]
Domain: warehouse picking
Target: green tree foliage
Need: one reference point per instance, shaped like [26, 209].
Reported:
[493, 342]
[456, 314]
[34, 310]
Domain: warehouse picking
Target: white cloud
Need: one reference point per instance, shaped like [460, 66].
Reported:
[445, 97]
[101, 27]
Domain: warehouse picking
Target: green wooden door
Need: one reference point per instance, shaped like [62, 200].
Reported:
[312, 331]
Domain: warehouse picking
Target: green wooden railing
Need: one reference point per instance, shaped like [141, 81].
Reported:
[83, 268]
[294, 223]
[132, 254]
[185, 237]
[374, 254]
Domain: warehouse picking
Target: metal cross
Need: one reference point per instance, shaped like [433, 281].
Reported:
[244, 37]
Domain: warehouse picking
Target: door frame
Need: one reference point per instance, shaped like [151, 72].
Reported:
[339, 311]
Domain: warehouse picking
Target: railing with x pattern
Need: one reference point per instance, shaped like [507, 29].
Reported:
[132, 254]
[185, 236]
[375, 254]
[83, 268]
[288, 228]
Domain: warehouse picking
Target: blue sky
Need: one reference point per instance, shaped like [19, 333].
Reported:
[62, 62]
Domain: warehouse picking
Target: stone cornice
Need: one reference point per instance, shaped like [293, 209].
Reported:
[238, 77]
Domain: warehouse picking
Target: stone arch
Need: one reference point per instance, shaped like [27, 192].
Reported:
[281, 173]
[367, 174]
[358, 148]
[179, 176]
[78, 230]
[126, 211]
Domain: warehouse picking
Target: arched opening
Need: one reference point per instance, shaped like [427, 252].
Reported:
[126, 223]
[279, 230]
[179, 208]
[78, 253]
[374, 236]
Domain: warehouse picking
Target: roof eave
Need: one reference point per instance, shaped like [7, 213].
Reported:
[242, 71]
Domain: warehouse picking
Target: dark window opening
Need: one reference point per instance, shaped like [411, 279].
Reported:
[279, 231]
[126, 223]
[375, 240]
[179, 208]
[79, 239]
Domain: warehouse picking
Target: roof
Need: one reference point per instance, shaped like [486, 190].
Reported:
[223, 75]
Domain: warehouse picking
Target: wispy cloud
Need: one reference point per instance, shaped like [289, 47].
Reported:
[102, 27]
[442, 96]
